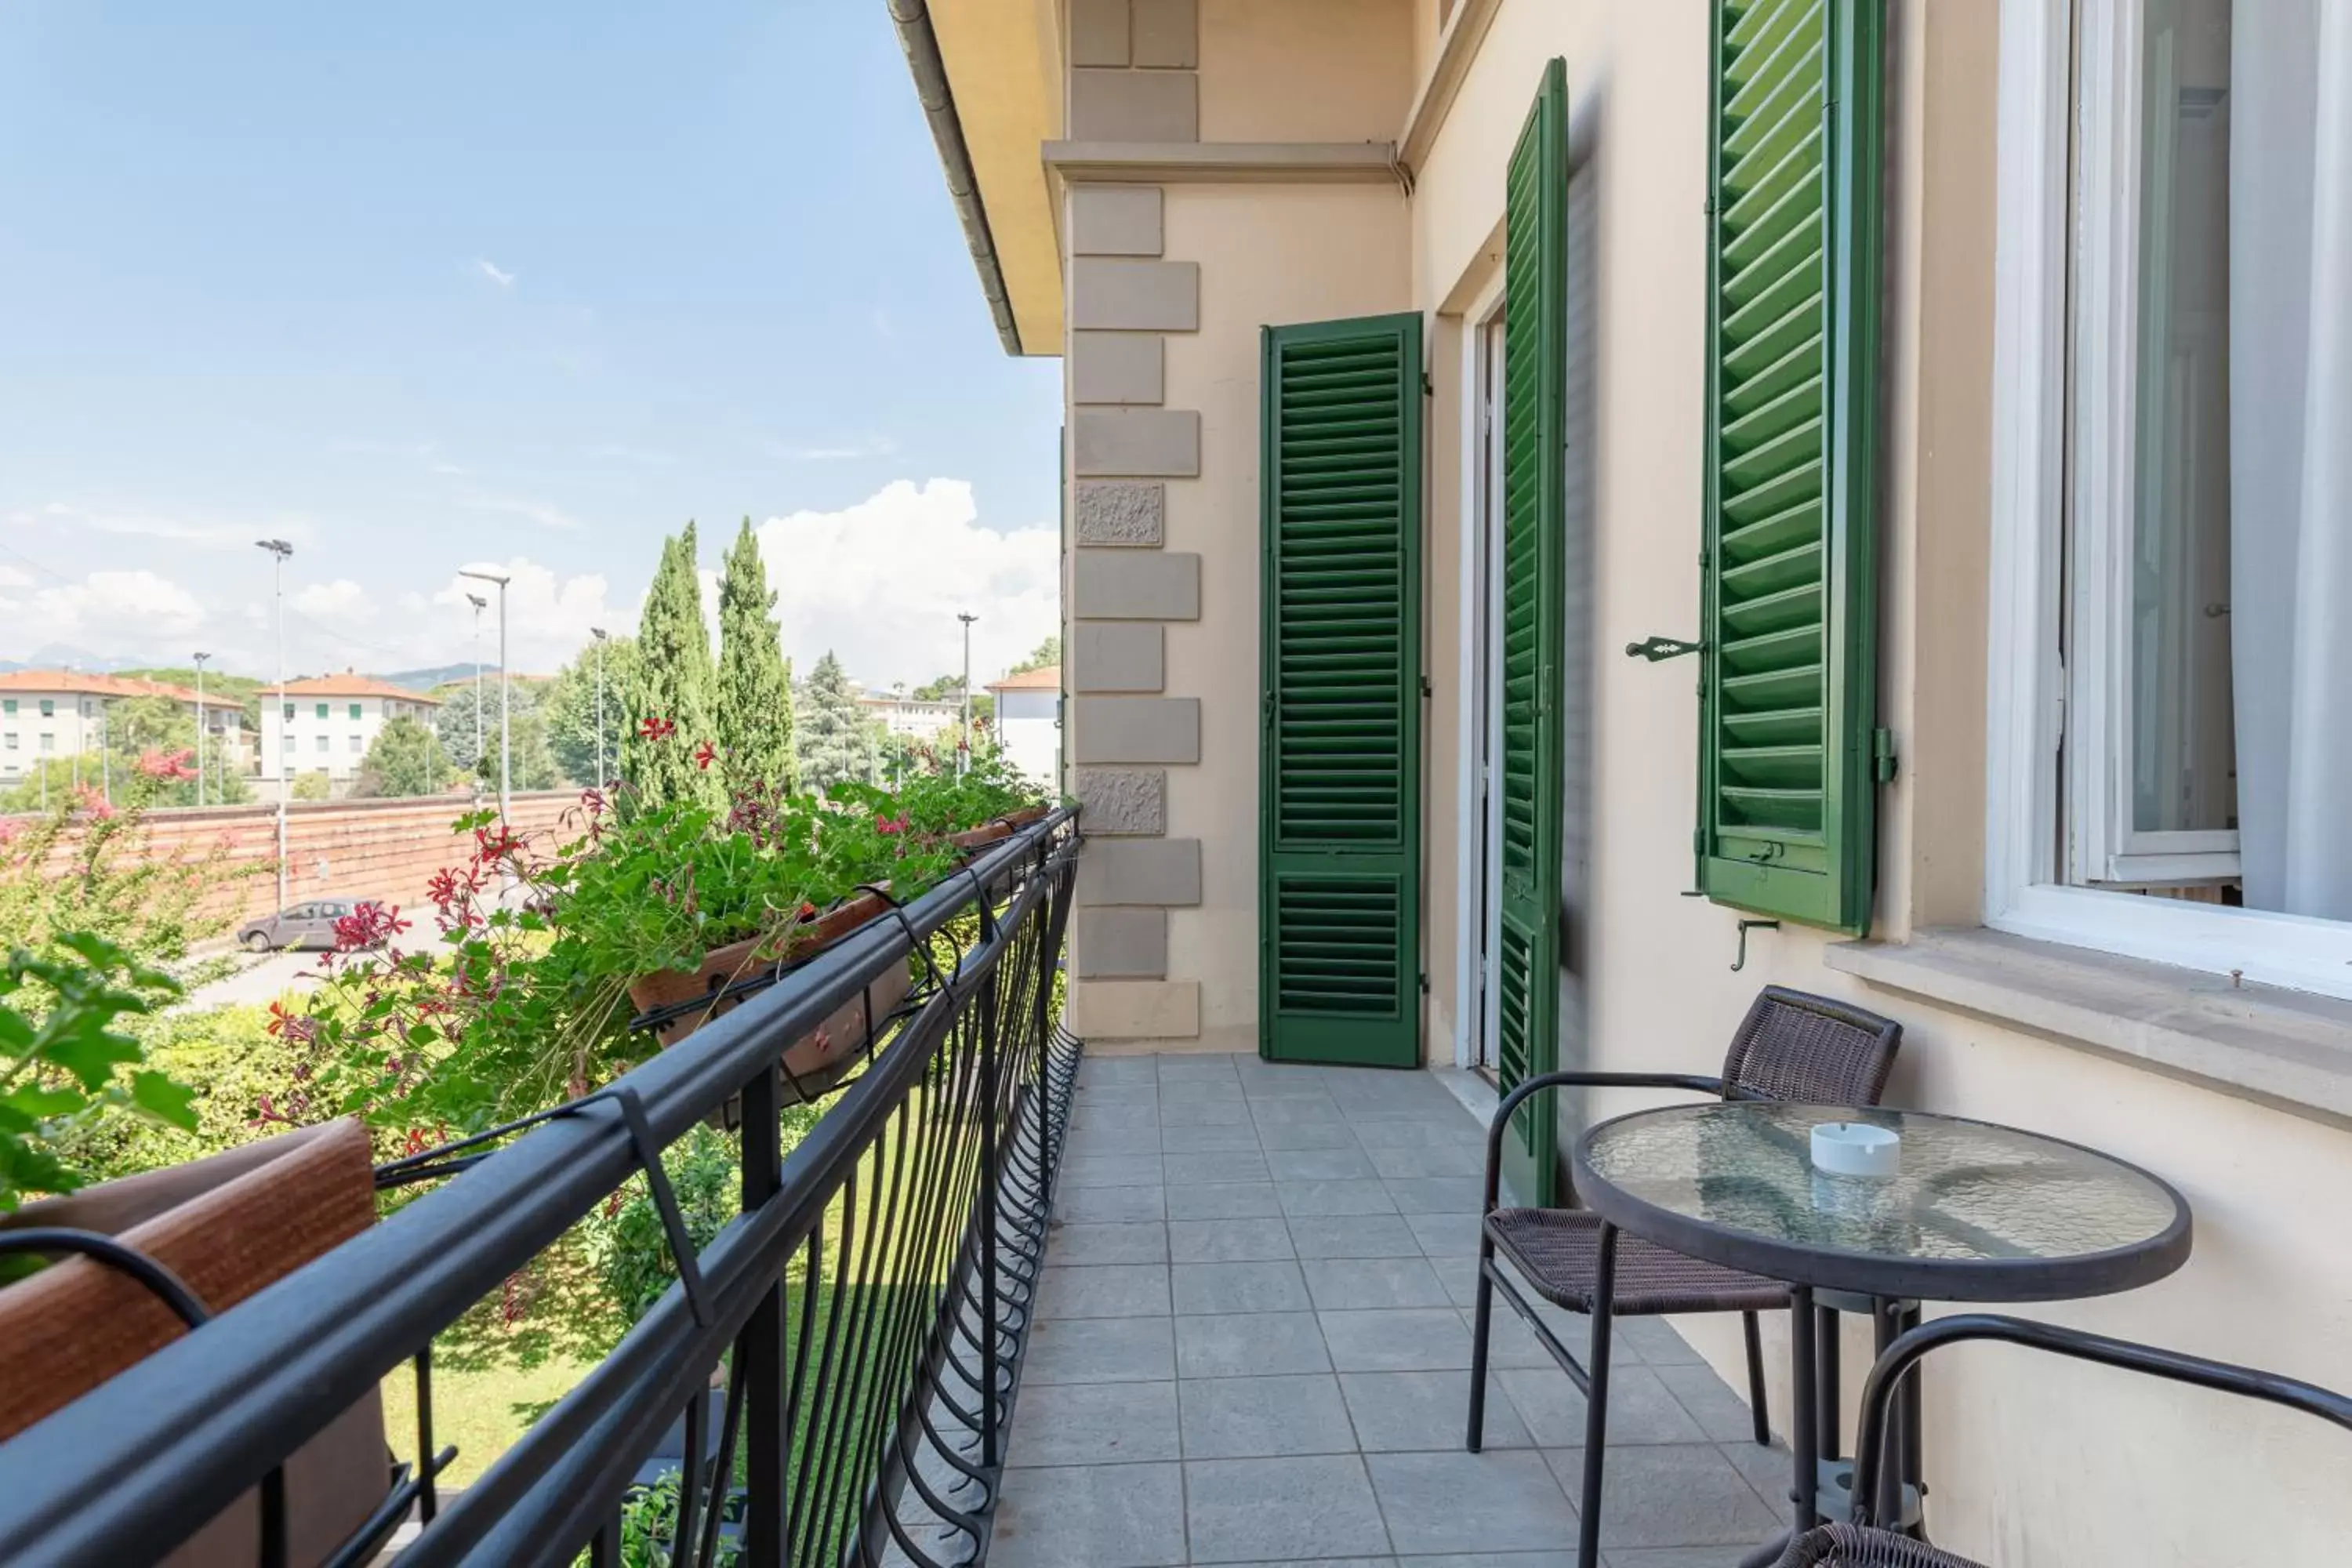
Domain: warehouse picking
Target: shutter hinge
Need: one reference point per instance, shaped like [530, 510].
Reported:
[1882, 754]
[1424, 983]
[1656, 648]
[1428, 387]
[1426, 690]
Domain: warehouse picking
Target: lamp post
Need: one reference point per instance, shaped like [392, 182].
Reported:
[963, 745]
[479, 605]
[280, 551]
[599, 634]
[505, 732]
[200, 726]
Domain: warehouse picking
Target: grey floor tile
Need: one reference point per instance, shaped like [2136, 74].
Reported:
[1097, 1070]
[1294, 1109]
[1262, 1418]
[1655, 1340]
[1767, 1470]
[1100, 1141]
[1499, 1560]
[1511, 1342]
[1223, 1200]
[1233, 1112]
[1720, 1414]
[1416, 1339]
[1091, 1516]
[1207, 1287]
[1109, 1205]
[1223, 1165]
[1426, 1412]
[1325, 1562]
[1669, 1557]
[1353, 1236]
[1136, 1241]
[1341, 1284]
[1200, 1091]
[1340, 1197]
[1318, 1164]
[1237, 1137]
[1449, 1131]
[1110, 1171]
[1228, 1240]
[1442, 1160]
[1176, 1065]
[1241, 1510]
[1117, 1091]
[1100, 1350]
[1103, 1290]
[1436, 1194]
[1250, 1344]
[1669, 1495]
[1445, 1235]
[1094, 1117]
[1094, 1424]
[1640, 1408]
[1470, 1502]
[1275, 1135]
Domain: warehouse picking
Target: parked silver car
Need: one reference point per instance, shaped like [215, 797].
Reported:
[303, 925]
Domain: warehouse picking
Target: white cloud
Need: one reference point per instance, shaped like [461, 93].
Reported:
[12, 578]
[494, 272]
[544, 513]
[880, 584]
[339, 600]
[197, 532]
[838, 452]
[548, 615]
[111, 612]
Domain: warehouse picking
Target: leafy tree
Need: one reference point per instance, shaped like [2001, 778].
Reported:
[838, 744]
[670, 692]
[755, 689]
[406, 758]
[946, 689]
[534, 765]
[569, 706]
[1049, 652]
[312, 785]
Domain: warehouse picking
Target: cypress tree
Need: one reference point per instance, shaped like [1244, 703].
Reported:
[670, 684]
[836, 743]
[755, 691]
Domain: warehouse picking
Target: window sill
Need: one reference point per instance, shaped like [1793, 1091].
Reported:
[2290, 1049]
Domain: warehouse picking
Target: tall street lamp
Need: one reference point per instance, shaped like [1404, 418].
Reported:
[280, 551]
[599, 634]
[479, 605]
[200, 726]
[505, 731]
[963, 747]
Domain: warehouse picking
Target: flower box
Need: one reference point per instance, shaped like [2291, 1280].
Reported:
[227, 1225]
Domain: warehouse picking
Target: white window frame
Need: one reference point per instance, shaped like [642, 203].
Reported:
[1474, 943]
[2028, 686]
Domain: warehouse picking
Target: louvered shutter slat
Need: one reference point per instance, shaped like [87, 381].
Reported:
[1339, 858]
[1785, 795]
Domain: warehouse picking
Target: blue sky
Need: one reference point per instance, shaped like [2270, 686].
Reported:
[528, 284]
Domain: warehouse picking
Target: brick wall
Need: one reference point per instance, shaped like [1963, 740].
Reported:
[381, 849]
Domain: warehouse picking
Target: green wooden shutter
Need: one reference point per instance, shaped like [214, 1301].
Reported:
[1339, 852]
[1534, 304]
[1787, 692]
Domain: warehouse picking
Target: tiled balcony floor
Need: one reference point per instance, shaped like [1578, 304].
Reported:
[1252, 1344]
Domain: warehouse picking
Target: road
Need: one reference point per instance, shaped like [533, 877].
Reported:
[260, 979]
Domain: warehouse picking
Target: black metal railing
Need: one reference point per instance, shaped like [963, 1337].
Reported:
[865, 1308]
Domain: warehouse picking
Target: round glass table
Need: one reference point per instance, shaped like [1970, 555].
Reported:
[1976, 1212]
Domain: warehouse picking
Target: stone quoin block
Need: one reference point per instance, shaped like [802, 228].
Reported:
[1135, 1009]
[1135, 586]
[1134, 106]
[1165, 34]
[1122, 944]
[1120, 294]
[1100, 33]
[1122, 800]
[1158, 871]
[1114, 220]
[1116, 367]
[1134, 729]
[1120, 511]
[1117, 656]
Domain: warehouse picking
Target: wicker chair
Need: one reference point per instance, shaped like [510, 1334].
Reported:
[1859, 1545]
[1791, 1046]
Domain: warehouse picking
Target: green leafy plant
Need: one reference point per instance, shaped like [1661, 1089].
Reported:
[63, 1059]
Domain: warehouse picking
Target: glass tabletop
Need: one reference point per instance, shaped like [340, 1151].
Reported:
[1976, 1212]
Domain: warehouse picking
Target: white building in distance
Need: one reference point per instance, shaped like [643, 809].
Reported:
[326, 722]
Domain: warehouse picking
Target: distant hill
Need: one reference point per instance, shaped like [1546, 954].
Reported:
[64, 656]
[439, 675]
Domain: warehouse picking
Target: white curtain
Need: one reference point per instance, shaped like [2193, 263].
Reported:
[2290, 449]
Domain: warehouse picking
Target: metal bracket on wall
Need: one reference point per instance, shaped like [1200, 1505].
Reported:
[1740, 961]
[1657, 648]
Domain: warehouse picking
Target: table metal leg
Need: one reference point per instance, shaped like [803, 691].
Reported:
[1596, 1400]
[1804, 1438]
[1828, 1393]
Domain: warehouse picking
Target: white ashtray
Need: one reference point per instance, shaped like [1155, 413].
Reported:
[1857, 1149]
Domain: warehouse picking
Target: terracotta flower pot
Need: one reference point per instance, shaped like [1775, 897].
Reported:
[817, 1059]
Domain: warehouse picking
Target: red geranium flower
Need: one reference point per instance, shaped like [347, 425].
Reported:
[167, 765]
[655, 729]
[369, 925]
[705, 754]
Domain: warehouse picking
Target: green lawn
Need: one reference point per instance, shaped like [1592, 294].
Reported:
[478, 1411]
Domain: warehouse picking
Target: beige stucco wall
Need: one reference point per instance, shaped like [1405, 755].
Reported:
[2033, 1464]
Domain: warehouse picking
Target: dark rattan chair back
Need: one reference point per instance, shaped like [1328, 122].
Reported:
[1798, 1046]
[1854, 1546]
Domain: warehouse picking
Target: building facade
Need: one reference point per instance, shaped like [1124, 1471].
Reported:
[912, 717]
[1948, 401]
[325, 723]
[62, 713]
[1029, 723]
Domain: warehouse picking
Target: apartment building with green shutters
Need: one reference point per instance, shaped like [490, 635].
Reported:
[1576, 510]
